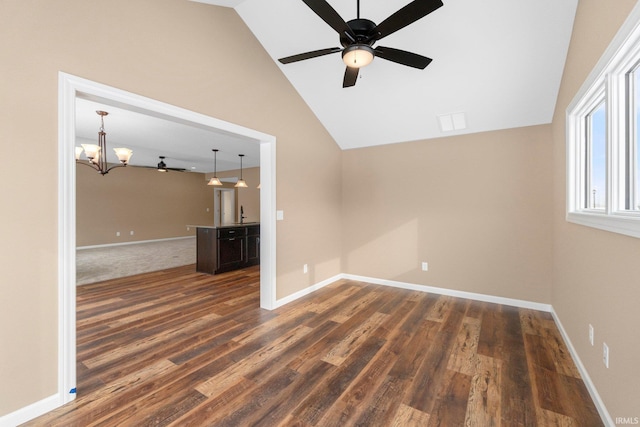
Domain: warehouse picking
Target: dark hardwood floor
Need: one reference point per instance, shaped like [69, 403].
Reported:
[181, 348]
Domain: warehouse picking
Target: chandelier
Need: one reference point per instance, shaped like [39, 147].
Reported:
[97, 154]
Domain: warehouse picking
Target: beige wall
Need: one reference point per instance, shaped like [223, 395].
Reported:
[596, 273]
[477, 208]
[152, 204]
[188, 54]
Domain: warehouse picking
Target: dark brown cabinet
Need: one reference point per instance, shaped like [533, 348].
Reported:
[253, 245]
[227, 248]
[230, 254]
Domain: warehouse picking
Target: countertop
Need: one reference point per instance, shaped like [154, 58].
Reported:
[245, 224]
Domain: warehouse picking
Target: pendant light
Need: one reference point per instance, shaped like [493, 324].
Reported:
[215, 180]
[97, 154]
[241, 183]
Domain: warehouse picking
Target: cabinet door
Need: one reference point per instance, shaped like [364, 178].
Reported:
[253, 250]
[230, 253]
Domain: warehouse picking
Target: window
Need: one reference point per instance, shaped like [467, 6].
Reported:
[603, 139]
[596, 155]
[633, 153]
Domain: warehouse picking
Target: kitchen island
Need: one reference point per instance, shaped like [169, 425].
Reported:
[227, 247]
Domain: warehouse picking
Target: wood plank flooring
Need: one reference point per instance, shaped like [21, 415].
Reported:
[180, 348]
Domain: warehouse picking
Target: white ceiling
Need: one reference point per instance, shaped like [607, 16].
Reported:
[185, 145]
[499, 62]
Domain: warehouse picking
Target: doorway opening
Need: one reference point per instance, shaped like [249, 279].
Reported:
[224, 206]
[69, 88]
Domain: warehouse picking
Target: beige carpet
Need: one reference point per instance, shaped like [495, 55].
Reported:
[98, 264]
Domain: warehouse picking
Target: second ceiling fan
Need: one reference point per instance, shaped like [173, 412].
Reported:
[359, 35]
[162, 166]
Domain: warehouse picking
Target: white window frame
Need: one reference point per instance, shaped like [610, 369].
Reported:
[607, 81]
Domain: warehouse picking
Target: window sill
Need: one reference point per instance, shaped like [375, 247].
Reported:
[629, 225]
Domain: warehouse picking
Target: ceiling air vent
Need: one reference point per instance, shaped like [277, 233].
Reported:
[452, 121]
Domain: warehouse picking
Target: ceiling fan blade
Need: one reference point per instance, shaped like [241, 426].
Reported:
[156, 168]
[308, 55]
[330, 16]
[402, 57]
[350, 77]
[409, 14]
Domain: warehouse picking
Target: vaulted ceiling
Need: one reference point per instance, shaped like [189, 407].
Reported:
[497, 64]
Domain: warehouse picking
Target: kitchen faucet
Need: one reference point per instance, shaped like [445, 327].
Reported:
[242, 217]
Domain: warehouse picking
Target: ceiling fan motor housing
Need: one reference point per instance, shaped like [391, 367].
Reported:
[363, 29]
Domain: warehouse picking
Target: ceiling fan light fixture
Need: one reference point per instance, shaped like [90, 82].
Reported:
[358, 55]
[162, 166]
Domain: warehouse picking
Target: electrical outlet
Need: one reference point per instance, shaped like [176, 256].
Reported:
[605, 354]
[305, 269]
[591, 334]
[279, 215]
[425, 266]
[188, 228]
[117, 234]
[131, 233]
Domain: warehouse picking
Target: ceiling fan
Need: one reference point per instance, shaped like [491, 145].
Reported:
[162, 166]
[359, 35]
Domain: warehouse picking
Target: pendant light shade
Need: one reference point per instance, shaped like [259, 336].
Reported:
[241, 183]
[215, 180]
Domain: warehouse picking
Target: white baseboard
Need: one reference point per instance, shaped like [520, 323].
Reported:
[306, 291]
[422, 288]
[30, 412]
[597, 400]
[137, 242]
[451, 292]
